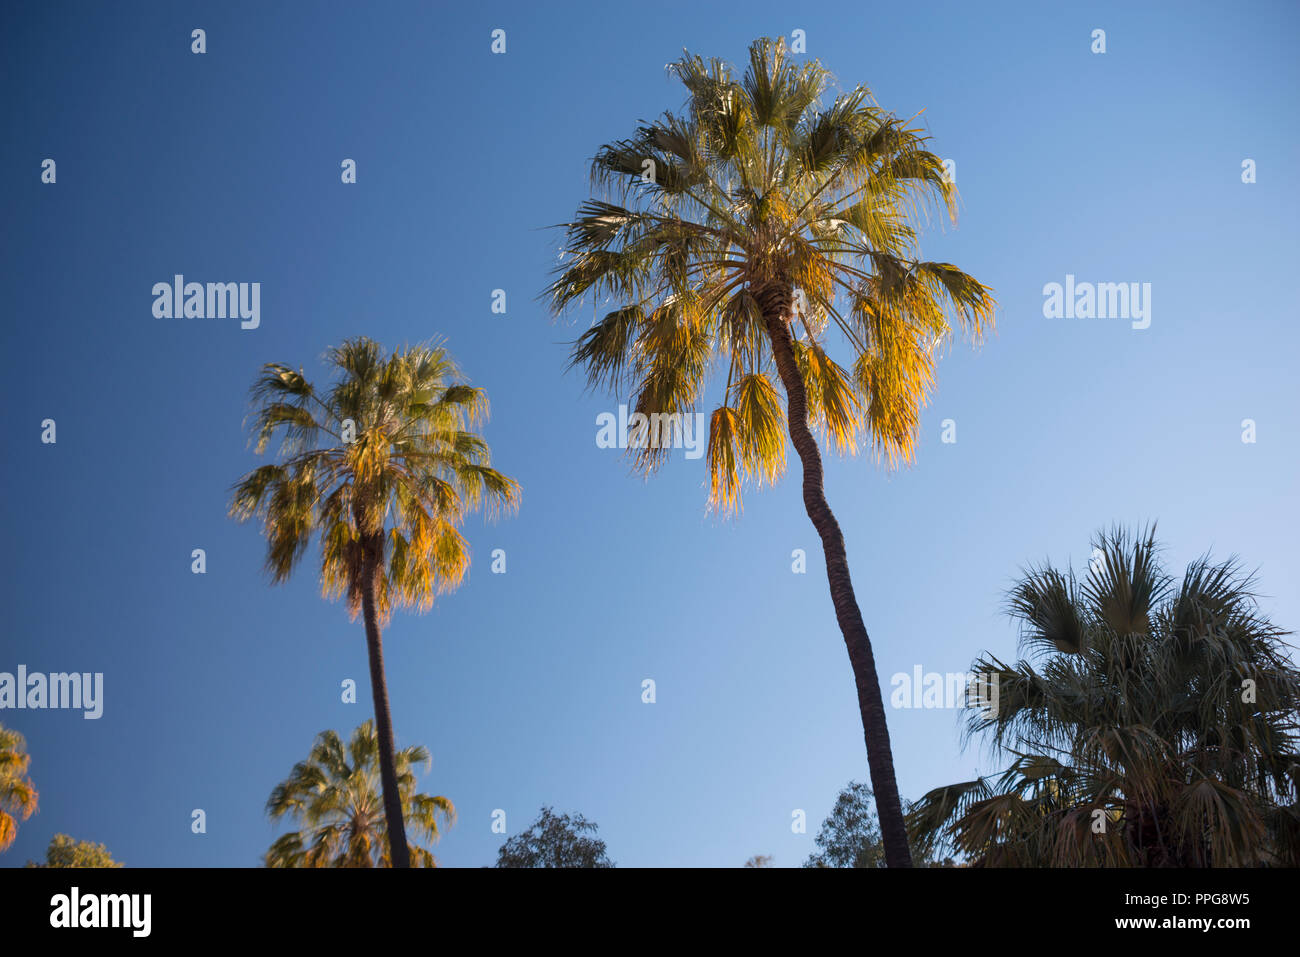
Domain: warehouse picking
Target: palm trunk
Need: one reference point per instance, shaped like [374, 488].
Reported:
[399, 853]
[775, 301]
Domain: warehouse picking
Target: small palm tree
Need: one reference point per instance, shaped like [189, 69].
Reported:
[383, 467]
[1156, 724]
[18, 796]
[335, 794]
[736, 236]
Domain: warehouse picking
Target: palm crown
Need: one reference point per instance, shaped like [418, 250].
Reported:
[1155, 726]
[762, 199]
[335, 794]
[18, 796]
[383, 464]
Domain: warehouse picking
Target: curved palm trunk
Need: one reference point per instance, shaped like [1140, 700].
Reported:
[775, 302]
[399, 852]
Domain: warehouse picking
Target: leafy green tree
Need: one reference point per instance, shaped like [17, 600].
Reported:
[759, 860]
[735, 237]
[383, 467]
[66, 852]
[18, 796]
[850, 837]
[555, 840]
[335, 796]
[1152, 723]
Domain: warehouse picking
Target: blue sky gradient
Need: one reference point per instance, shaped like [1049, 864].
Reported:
[526, 687]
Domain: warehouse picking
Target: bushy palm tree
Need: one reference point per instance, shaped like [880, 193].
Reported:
[736, 237]
[335, 794]
[1154, 724]
[18, 796]
[383, 467]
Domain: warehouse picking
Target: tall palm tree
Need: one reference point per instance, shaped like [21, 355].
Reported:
[18, 796]
[1155, 724]
[383, 467]
[738, 234]
[335, 794]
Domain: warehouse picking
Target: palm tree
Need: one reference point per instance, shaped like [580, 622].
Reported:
[384, 467]
[1155, 724]
[343, 813]
[18, 796]
[740, 233]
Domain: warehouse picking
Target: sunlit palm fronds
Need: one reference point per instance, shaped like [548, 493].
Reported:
[766, 193]
[18, 796]
[387, 459]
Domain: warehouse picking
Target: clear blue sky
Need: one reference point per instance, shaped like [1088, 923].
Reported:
[526, 686]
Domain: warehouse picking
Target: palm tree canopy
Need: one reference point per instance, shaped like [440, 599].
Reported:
[18, 796]
[335, 796]
[762, 188]
[1155, 723]
[388, 456]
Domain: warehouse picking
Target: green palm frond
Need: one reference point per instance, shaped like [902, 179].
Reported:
[1169, 712]
[336, 799]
